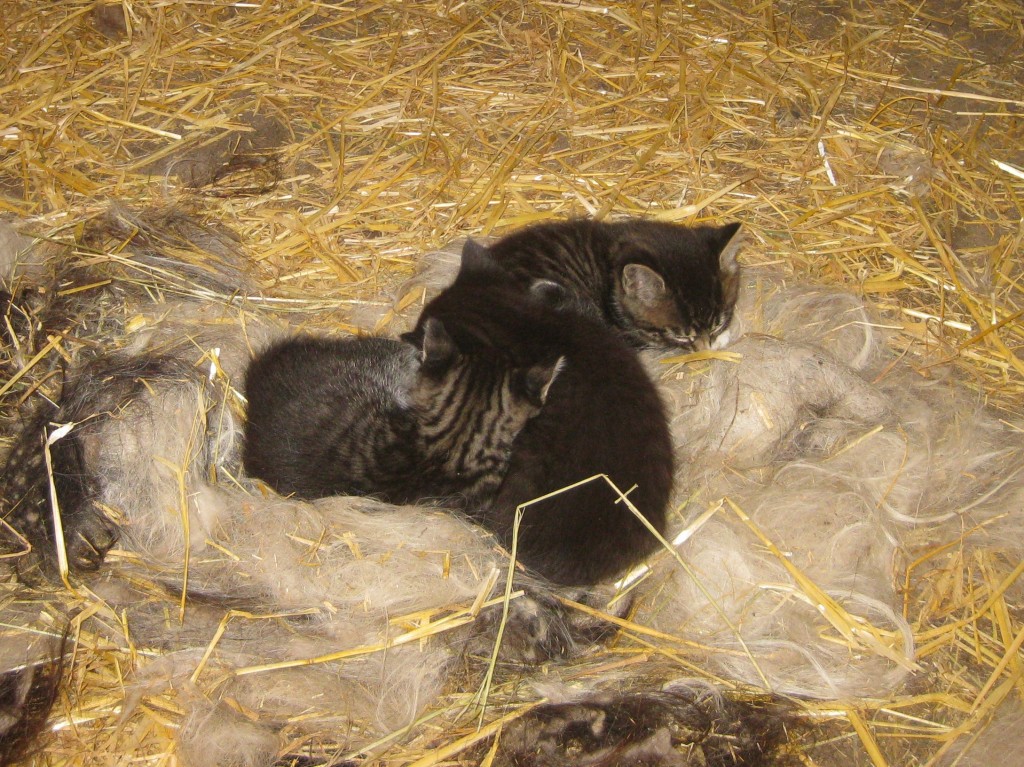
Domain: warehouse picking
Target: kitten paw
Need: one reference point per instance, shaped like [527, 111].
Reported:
[535, 632]
[540, 628]
[89, 539]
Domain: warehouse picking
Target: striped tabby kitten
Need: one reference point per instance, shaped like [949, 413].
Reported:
[376, 416]
[659, 284]
[602, 416]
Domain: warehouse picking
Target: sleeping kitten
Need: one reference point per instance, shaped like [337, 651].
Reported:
[602, 416]
[376, 416]
[660, 284]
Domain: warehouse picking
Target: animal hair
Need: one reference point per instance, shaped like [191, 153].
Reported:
[602, 416]
[862, 459]
[745, 412]
[841, 460]
[998, 743]
[239, 742]
[657, 283]
[376, 416]
[32, 667]
[681, 724]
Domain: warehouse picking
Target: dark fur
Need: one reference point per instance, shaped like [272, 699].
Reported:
[25, 494]
[660, 284]
[375, 416]
[91, 394]
[651, 728]
[603, 416]
[27, 696]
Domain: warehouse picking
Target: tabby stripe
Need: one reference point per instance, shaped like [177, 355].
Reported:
[483, 440]
[474, 424]
[438, 418]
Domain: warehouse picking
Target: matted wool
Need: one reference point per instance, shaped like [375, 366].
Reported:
[805, 423]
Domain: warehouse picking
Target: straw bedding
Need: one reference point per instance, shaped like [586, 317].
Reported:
[185, 183]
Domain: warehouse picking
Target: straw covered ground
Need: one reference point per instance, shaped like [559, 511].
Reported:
[876, 147]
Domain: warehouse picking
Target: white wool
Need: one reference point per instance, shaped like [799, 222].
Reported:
[836, 321]
[378, 693]
[999, 744]
[400, 307]
[218, 334]
[836, 459]
[16, 254]
[166, 436]
[356, 564]
[350, 554]
[834, 468]
[745, 412]
[740, 599]
[383, 690]
[219, 734]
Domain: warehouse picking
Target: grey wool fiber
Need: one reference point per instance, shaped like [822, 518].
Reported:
[808, 458]
[841, 460]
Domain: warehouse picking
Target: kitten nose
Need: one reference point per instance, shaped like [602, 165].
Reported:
[703, 343]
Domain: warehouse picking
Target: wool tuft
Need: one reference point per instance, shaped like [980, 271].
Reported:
[809, 460]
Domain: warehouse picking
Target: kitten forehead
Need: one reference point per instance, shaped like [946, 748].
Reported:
[664, 246]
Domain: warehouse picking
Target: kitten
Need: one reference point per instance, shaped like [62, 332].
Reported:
[602, 416]
[377, 416]
[659, 284]
[92, 395]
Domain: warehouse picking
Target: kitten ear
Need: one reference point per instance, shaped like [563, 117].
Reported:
[438, 347]
[413, 337]
[475, 256]
[730, 238]
[643, 284]
[537, 380]
[549, 292]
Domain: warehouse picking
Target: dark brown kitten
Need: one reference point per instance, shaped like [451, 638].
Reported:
[602, 416]
[660, 284]
[376, 416]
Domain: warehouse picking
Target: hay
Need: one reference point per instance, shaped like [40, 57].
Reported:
[874, 148]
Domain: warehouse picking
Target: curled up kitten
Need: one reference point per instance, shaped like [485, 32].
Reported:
[659, 284]
[602, 416]
[382, 417]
